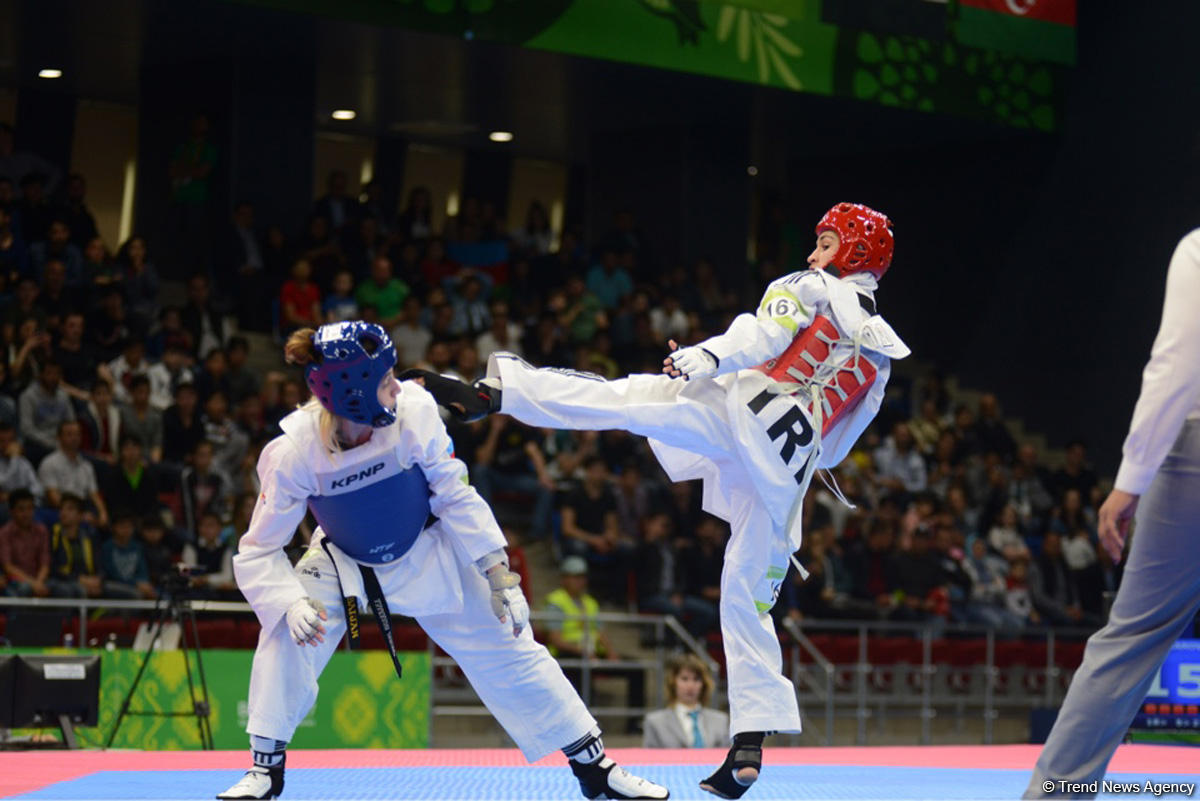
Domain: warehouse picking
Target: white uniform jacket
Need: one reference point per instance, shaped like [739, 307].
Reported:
[788, 306]
[289, 470]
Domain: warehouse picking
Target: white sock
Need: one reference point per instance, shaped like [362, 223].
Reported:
[267, 752]
[587, 749]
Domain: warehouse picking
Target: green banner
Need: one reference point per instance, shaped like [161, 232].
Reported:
[974, 63]
[361, 704]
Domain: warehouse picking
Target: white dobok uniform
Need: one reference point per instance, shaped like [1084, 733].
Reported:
[754, 439]
[374, 502]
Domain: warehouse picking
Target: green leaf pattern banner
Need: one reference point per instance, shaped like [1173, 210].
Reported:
[361, 703]
[990, 62]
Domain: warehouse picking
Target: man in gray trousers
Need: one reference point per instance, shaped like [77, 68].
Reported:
[1160, 590]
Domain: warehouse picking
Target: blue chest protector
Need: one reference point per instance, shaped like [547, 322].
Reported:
[373, 512]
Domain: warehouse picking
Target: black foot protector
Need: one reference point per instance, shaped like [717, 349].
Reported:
[740, 768]
[466, 402]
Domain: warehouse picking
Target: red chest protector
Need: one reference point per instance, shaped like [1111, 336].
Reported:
[807, 362]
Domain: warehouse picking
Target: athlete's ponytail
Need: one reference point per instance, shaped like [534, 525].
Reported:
[300, 349]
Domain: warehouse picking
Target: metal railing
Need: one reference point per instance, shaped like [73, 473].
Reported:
[587, 664]
[871, 689]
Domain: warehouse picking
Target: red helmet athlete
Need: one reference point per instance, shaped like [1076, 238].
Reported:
[865, 238]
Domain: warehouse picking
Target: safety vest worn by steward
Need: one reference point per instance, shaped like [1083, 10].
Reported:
[573, 616]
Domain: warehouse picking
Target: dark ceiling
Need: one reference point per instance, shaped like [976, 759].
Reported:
[422, 86]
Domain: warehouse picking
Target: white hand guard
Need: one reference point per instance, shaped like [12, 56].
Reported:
[507, 598]
[694, 362]
[304, 621]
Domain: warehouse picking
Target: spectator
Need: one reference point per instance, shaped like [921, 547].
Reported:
[1017, 597]
[243, 382]
[872, 566]
[299, 300]
[371, 207]
[25, 307]
[101, 424]
[123, 563]
[1027, 493]
[471, 316]
[409, 336]
[214, 377]
[34, 209]
[989, 590]
[336, 205]
[580, 312]
[437, 269]
[67, 472]
[991, 431]
[24, 549]
[1079, 551]
[16, 164]
[608, 281]
[242, 271]
[168, 374]
[589, 527]
[13, 253]
[74, 570]
[668, 320]
[44, 407]
[509, 460]
[170, 333]
[899, 466]
[1071, 516]
[203, 488]
[534, 238]
[25, 362]
[339, 305]
[927, 428]
[56, 247]
[182, 427]
[16, 473]
[200, 318]
[416, 221]
[214, 557]
[1075, 473]
[228, 441]
[920, 585]
[133, 488]
[141, 420]
[141, 280]
[99, 268]
[503, 334]
[75, 212]
[160, 558]
[383, 292]
[76, 357]
[55, 298]
[1005, 537]
[111, 327]
[129, 365]
[703, 561]
[660, 581]
[687, 722]
[1053, 587]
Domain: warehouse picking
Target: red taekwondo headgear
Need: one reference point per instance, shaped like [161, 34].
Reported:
[865, 235]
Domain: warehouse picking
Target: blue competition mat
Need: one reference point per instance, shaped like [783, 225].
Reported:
[777, 782]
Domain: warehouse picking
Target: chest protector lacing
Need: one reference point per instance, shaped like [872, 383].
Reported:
[834, 386]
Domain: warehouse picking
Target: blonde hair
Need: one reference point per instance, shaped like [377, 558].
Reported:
[696, 665]
[300, 350]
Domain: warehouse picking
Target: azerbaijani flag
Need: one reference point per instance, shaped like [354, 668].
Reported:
[1039, 30]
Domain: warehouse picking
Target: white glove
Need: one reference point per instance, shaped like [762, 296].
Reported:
[304, 621]
[693, 362]
[507, 598]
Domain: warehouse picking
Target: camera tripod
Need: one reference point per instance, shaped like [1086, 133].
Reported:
[172, 607]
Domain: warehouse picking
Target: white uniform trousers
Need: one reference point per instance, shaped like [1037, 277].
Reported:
[517, 679]
[690, 416]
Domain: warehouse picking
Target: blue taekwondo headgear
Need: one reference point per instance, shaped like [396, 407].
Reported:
[354, 357]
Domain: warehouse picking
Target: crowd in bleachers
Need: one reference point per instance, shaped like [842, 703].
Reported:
[130, 427]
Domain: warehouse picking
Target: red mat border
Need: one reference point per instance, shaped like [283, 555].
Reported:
[24, 772]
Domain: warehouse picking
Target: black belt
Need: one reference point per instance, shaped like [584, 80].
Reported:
[375, 600]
